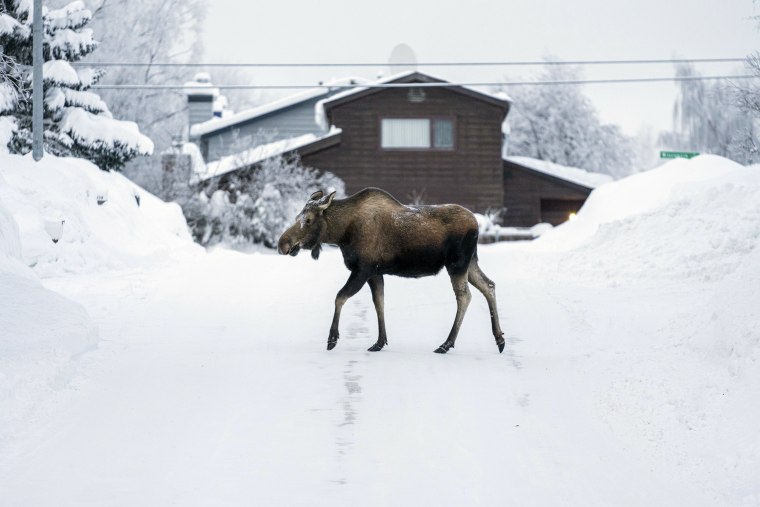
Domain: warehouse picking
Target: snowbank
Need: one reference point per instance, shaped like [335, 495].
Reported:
[40, 331]
[128, 228]
[687, 218]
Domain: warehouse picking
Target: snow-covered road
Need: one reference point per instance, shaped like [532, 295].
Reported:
[212, 386]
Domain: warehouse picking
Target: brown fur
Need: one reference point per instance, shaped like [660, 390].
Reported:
[378, 235]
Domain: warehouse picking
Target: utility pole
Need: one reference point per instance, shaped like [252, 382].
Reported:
[37, 105]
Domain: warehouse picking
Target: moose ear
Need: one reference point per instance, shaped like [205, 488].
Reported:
[326, 201]
[316, 195]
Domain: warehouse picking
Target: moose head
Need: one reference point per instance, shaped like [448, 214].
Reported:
[309, 227]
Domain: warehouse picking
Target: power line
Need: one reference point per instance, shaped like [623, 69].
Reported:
[423, 64]
[424, 85]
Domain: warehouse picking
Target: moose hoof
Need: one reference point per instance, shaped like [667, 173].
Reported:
[331, 344]
[376, 348]
[500, 344]
[441, 350]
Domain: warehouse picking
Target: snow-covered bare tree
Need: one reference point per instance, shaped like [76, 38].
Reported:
[77, 121]
[148, 32]
[560, 124]
[707, 118]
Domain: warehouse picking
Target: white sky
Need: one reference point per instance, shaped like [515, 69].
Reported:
[481, 30]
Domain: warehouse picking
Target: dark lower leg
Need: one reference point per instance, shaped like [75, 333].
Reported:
[376, 285]
[352, 286]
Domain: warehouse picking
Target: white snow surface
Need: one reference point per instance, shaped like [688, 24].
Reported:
[93, 129]
[60, 71]
[583, 177]
[8, 97]
[9, 25]
[7, 128]
[118, 234]
[631, 374]
[41, 334]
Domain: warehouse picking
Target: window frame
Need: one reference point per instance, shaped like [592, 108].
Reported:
[432, 119]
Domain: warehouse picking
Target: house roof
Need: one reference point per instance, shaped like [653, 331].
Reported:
[216, 124]
[323, 107]
[568, 175]
[303, 145]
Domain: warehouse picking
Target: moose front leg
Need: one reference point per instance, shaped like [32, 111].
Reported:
[355, 282]
[462, 292]
[376, 284]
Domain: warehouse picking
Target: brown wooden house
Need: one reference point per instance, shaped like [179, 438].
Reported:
[427, 144]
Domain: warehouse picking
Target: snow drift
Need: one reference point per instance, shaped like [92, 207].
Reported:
[40, 331]
[661, 270]
[687, 218]
[107, 223]
[110, 223]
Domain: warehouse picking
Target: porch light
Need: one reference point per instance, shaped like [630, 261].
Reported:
[571, 217]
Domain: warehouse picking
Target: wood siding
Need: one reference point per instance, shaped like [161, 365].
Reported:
[524, 190]
[471, 174]
[289, 122]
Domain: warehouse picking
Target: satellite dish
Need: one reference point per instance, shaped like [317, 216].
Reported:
[402, 59]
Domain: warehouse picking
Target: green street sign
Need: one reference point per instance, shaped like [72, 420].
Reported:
[678, 154]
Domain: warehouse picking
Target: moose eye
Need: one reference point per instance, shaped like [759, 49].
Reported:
[308, 221]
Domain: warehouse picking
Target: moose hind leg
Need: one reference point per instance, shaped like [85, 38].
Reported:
[352, 286]
[488, 289]
[462, 292]
[376, 285]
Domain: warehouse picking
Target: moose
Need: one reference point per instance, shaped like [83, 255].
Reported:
[380, 236]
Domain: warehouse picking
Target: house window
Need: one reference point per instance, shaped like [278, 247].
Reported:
[443, 133]
[420, 133]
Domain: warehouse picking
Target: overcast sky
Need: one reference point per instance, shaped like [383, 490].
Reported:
[479, 30]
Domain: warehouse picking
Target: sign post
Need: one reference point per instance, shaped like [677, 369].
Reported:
[678, 154]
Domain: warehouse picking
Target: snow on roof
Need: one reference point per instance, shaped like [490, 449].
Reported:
[215, 124]
[572, 174]
[201, 85]
[320, 117]
[260, 153]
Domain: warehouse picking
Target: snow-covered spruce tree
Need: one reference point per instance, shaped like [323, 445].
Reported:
[77, 122]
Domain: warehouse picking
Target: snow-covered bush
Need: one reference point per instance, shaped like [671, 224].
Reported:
[257, 206]
[77, 121]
